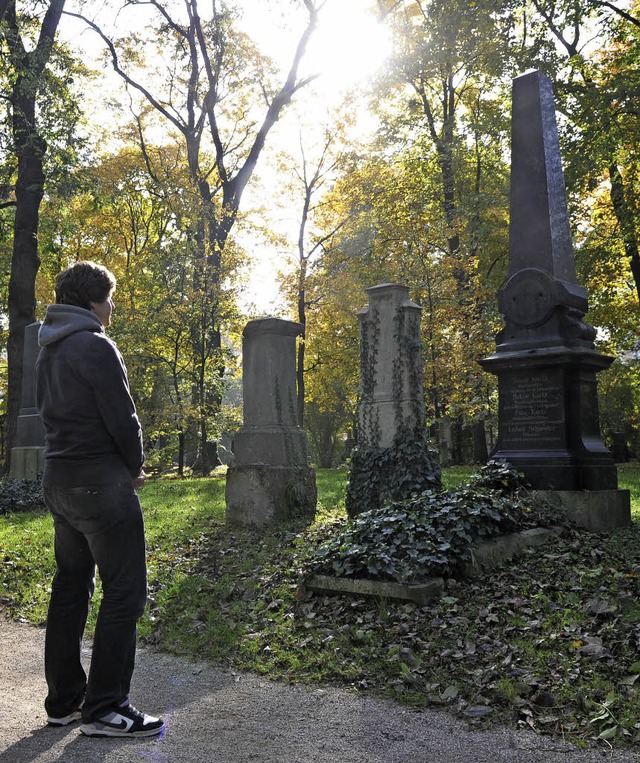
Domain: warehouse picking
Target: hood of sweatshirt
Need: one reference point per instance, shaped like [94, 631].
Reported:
[63, 320]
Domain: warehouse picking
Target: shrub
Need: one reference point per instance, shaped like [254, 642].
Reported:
[432, 533]
[20, 495]
[382, 475]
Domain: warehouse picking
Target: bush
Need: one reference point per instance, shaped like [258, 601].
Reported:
[431, 534]
[382, 475]
[20, 495]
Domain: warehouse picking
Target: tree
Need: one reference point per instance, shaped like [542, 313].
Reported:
[135, 219]
[29, 145]
[443, 109]
[320, 221]
[215, 88]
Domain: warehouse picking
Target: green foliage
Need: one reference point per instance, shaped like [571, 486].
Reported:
[431, 534]
[498, 475]
[20, 495]
[380, 475]
[26, 564]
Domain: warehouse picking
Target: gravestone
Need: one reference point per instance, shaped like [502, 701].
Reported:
[27, 457]
[545, 358]
[270, 478]
[391, 387]
[393, 459]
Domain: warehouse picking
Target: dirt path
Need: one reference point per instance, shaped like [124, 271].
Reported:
[218, 716]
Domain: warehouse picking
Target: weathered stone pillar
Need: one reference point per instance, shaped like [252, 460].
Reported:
[27, 457]
[391, 387]
[271, 478]
[545, 358]
[393, 459]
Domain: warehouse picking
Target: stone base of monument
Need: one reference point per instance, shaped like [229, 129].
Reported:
[27, 462]
[598, 511]
[259, 495]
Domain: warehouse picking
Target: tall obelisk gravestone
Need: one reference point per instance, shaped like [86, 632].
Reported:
[545, 359]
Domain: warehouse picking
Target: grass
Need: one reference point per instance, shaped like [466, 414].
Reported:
[550, 643]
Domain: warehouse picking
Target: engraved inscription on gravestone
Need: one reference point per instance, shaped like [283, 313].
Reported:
[532, 411]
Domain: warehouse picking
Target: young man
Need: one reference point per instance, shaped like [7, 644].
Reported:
[93, 467]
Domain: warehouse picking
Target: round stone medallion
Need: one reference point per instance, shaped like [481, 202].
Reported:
[529, 297]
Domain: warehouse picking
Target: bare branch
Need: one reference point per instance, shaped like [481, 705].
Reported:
[626, 16]
[117, 68]
[235, 188]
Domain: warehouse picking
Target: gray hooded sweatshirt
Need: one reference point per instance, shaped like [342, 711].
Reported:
[92, 431]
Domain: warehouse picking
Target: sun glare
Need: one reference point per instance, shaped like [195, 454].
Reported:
[347, 47]
[349, 44]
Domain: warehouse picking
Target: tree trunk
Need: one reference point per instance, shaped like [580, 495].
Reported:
[302, 318]
[480, 452]
[624, 216]
[24, 268]
[30, 148]
[181, 449]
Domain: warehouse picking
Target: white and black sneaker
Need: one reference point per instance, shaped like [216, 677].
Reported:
[64, 720]
[124, 721]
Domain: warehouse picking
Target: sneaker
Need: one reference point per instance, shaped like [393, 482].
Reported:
[64, 720]
[124, 722]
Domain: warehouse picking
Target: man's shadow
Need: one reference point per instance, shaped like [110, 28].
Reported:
[37, 742]
[76, 749]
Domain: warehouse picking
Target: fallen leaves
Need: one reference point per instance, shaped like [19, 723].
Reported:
[550, 642]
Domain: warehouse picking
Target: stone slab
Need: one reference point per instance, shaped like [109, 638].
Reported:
[485, 556]
[421, 593]
[494, 552]
[258, 495]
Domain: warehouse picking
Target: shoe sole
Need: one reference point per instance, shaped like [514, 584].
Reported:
[92, 731]
[66, 720]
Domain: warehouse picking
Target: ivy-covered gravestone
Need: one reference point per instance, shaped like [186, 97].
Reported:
[392, 459]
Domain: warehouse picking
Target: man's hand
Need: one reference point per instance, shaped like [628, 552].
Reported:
[138, 482]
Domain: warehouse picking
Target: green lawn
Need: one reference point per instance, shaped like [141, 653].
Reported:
[550, 642]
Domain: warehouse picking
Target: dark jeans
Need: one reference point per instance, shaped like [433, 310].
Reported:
[99, 525]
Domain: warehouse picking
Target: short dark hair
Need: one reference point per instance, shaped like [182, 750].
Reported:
[84, 282]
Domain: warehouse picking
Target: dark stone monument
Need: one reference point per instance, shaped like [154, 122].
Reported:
[545, 358]
[27, 457]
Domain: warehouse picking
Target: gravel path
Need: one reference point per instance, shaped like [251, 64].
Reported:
[215, 715]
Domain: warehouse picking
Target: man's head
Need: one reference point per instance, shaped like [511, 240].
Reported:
[84, 282]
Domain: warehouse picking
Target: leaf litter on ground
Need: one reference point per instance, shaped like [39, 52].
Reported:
[550, 642]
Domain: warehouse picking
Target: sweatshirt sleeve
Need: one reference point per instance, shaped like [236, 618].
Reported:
[107, 374]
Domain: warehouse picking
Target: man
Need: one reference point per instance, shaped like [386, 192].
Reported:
[93, 468]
